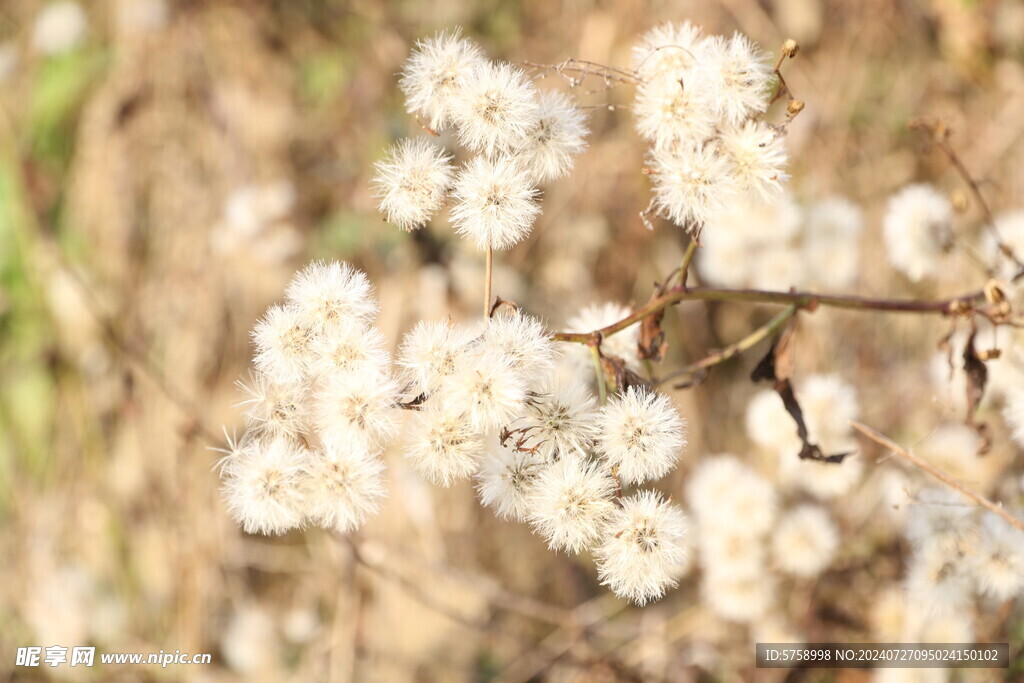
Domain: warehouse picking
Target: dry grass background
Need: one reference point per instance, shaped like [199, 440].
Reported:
[116, 163]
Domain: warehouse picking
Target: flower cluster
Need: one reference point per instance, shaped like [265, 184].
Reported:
[516, 138]
[697, 106]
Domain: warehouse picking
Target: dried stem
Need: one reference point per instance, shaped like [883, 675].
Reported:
[602, 389]
[733, 350]
[937, 473]
[684, 267]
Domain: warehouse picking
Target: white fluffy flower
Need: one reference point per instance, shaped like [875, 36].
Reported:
[505, 482]
[758, 156]
[434, 74]
[641, 434]
[487, 390]
[730, 551]
[430, 353]
[412, 182]
[263, 485]
[936, 579]
[692, 183]
[804, 541]
[736, 74]
[831, 250]
[644, 548]
[552, 145]
[726, 494]
[353, 352]
[521, 341]
[561, 418]
[667, 49]
[495, 108]
[343, 488]
[273, 408]
[738, 598]
[283, 340]
[331, 293]
[671, 110]
[442, 445]
[571, 504]
[357, 415]
[917, 229]
[622, 344]
[998, 562]
[495, 203]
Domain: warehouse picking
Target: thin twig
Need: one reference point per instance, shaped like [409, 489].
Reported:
[684, 267]
[602, 389]
[935, 472]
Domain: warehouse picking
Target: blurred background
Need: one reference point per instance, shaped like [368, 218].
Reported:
[165, 166]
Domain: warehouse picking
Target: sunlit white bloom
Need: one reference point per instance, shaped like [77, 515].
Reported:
[559, 136]
[351, 351]
[622, 344]
[758, 156]
[60, 27]
[641, 434]
[359, 415]
[997, 565]
[495, 109]
[263, 485]
[737, 76]
[943, 519]
[442, 445]
[829, 403]
[331, 293]
[831, 250]
[435, 72]
[692, 183]
[936, 580]
[430, 353]
[804, 541]
[726, 494]
[667, 49]
[644, 548]
[412, 182]
[521, 341]
[273, 408]
[505, 482]
[917, 230]
[571, 504]
[487, 390]
[670, 110]
[283, 338]
[738, 598]
[343, 488]
[767, 423]
[561, 418]
[495, 203]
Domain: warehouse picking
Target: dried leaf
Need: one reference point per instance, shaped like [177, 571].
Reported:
[976, 373]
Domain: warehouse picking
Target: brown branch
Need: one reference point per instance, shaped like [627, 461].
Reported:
[981, 500]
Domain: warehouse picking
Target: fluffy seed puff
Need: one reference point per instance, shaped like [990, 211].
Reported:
[412, 182]
[506, 480]
[667, 49]
[571, 504]
[326, 294]
[552, 145]
[361, 415]
[804, 541]
[343, 488]
[274, 409]
[487, 390]
[641, 435]
[442, 445]
[495, 109]
[283, 340]
[561, 418]
[758, 158]
[671, 110]
[644, 550]
[736, 74]
[997, 565]
[495, 203]
[917, 229]
[263, 485]
[434, 74]
[430, 353]
[692, 183]
[522, 341]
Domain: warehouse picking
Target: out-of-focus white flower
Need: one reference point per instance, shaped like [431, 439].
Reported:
[561, 418]
[495, 203]
[672, 111]
[831, 251]
[60, 27]
[430, 353]
[622, 344]
[487, 390]
[641, 435]
[936, 580]
[442, 445]
[571, 503]
[726, 494]
[730, 552]
[412, 182]
[758, 157]
[495, 109]
[1010, 228]
[505, 482]
[804, 541]
[139, 16]
[917, 229]
[559, 136]
[343, 488]
[667, 49]
[434, 74]
[644, 548]
[823, 480]
[736, 75]
[263, 485]
[692, 183]
[328, 294]
[283, 340]
[739, 598]
[997, 565]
